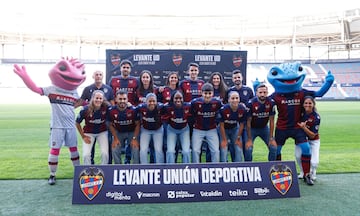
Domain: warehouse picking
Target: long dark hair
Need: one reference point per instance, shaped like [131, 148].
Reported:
[151, 84]
[222, 87]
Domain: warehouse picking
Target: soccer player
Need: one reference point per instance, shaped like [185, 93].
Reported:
[127, 83]
[86, 96]
[124, 125]
[220, 87]
[261, 120]
[177, 113]
[246, 93]
[191, 87]
[95, 127]
[204, 110]
[310, 123]
[151, 128]
[232, 118]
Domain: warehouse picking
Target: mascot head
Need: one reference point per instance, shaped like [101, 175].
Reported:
[287, 77]
[68, 74]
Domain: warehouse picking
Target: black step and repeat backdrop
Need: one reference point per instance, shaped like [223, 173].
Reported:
[162, 62]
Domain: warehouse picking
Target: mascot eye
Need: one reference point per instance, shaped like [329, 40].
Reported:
[62, 68]
[300, 68]
[83, 72]
[274, 72]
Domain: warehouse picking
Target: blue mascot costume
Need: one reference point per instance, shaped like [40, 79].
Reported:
[287, 80]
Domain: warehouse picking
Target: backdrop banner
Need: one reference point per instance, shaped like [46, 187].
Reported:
[162, 62]
[169, 183]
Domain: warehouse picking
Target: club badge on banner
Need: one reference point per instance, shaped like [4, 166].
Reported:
[124, 184]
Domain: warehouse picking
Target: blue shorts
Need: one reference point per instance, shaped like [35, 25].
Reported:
[297, 134]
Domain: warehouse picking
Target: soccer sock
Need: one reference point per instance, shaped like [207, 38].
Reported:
[278, 157]
[53, 160]
[74, 156]
[305, 163]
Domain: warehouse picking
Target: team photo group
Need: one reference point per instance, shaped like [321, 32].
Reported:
[135, 122]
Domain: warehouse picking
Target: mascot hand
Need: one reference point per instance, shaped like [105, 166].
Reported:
[329, 77]
[327, 85]
[21, 72]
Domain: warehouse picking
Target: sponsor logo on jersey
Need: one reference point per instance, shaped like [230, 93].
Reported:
[91, 181]
[281, 177]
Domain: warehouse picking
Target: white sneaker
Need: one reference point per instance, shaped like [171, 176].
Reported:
[313, 174]
[301, 175]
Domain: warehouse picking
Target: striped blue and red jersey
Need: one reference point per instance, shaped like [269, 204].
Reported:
[217, 95]
[123, 120]
[94, 122]
[165, 95]
[231, 118]
[289, 106]
[205, 114]
[141, 96]
[245, 93]
[260, 111]
[129, 84]
[177, 117]
[313, 123]
[191, 89]
[150, 120]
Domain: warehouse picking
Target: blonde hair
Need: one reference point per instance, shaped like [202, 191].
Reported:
[91, 105]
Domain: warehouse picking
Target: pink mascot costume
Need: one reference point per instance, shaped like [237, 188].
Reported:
[66, 76]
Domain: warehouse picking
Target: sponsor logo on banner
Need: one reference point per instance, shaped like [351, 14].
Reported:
[115, 59]
[91, 181]
[237, 60]
[142, 195]
[177, 59]
[281, 177]
[261, 191]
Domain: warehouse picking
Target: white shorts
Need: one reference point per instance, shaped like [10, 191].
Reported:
[63, 136]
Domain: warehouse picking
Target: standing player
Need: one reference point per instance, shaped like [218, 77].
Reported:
[261, 115]
[191, 87]
[124, 125]
[220, 87]
[86, 96]
[95, 127]
[246, 93]
[204, 110]
[125, 81]
[129, 84]
[310, 123]
[151, 128]
[177, 114]
[172, 85]
[232, 117]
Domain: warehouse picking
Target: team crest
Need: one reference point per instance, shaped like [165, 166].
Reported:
[281, 177]
[115, 59]
[91, 181]
[237, 60]
[177, 59]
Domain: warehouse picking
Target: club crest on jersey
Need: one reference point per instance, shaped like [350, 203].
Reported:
[115, 59]
[177, 59]
[91, 181]
[237, 60]
[281, 177]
